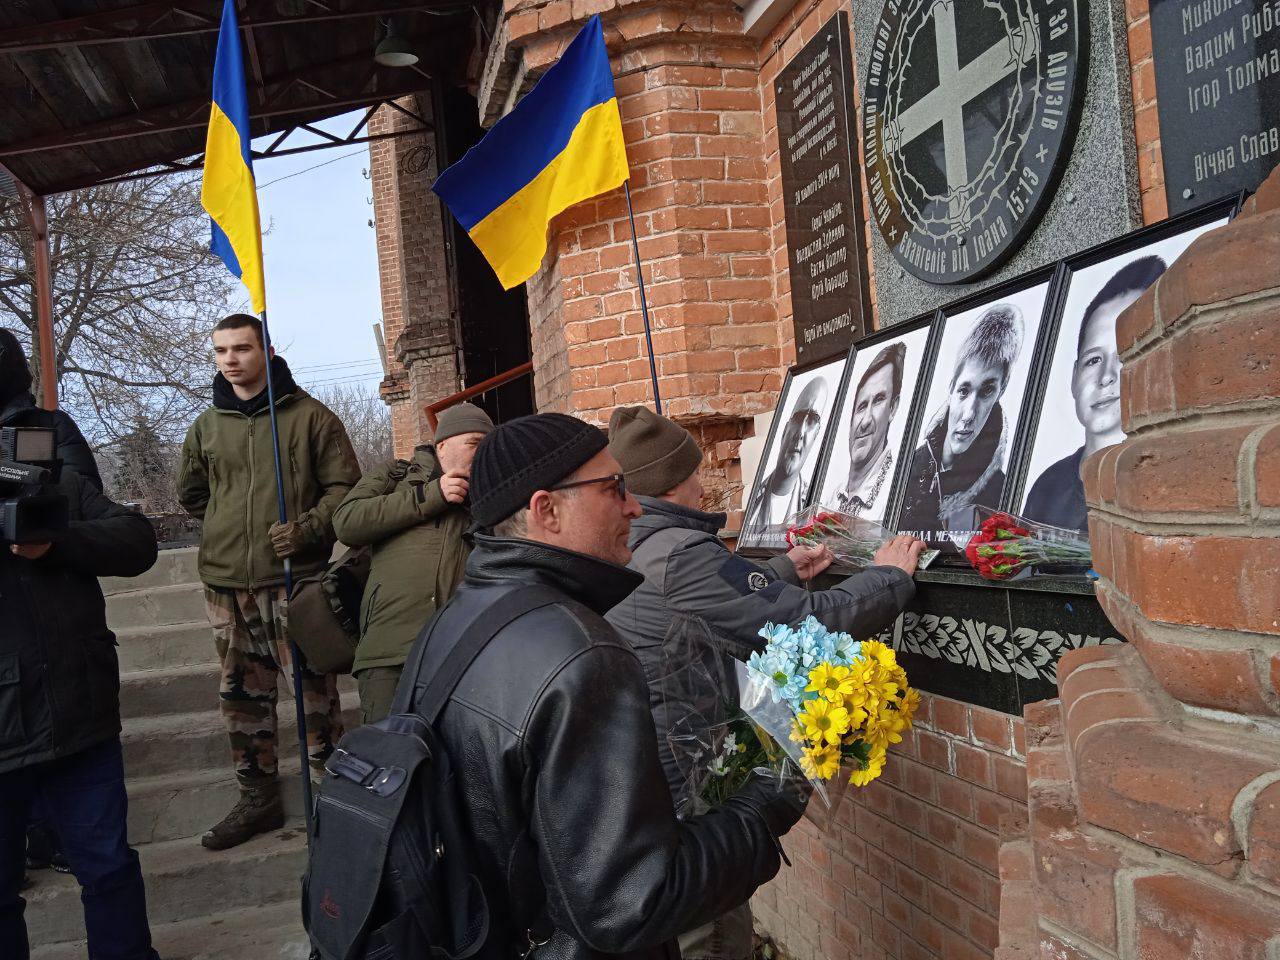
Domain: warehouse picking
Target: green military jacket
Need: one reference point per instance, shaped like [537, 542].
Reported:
[227, 479]
[419, 555]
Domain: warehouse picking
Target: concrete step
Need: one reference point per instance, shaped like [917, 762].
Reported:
[188, 689]
[156, 606]
[185, 881]
[173, 645]
[270, 932]
[176, 805]
[186, 742]
[171, 566]
[184, 689]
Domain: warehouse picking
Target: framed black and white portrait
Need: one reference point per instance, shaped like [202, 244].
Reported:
[867, 437]
[965, 431]
[784, 479]
[1078, 411]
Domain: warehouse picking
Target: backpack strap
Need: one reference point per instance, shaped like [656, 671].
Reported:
[475, 637]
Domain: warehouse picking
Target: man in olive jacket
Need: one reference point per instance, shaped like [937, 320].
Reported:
[60, 718]
[227, 479]
[413, 514]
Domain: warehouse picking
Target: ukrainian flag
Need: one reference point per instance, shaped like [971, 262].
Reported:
[229, 193]
[562, 144]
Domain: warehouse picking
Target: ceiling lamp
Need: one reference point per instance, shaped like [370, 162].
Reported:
[394, 50]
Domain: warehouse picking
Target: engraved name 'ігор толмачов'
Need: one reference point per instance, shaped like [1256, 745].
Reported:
[970, 109]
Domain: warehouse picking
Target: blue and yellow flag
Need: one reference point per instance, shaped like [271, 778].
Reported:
[562, 144]
[229, 193]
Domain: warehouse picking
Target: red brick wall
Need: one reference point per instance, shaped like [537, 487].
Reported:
[1146, 122]
[416, 320]
[910, 869]
[1155, 779]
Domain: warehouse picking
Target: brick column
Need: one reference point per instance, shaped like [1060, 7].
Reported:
[687, 80]
[1155, 779]
[418, 327]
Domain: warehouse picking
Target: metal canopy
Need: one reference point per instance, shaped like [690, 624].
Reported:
[96, 90]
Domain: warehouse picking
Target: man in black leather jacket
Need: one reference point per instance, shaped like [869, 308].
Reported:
[549, 730]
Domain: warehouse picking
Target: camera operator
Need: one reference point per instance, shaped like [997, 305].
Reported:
[60, 710]
[18, 409]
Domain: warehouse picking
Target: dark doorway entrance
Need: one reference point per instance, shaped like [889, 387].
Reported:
[493, 323]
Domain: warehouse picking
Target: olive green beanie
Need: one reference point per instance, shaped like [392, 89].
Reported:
[656, 454]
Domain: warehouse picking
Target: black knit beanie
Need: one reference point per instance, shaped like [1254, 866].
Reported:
[15, 375]
[524, 456]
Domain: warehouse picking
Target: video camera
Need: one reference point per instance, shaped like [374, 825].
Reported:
[31, 511]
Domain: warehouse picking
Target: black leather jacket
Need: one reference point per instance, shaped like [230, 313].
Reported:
[550, 734]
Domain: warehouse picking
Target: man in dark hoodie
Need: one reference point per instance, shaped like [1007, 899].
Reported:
[688, 570]
[227, 479]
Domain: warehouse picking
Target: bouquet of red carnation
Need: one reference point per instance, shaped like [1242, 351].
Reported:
[853, 539]
[1007, 546]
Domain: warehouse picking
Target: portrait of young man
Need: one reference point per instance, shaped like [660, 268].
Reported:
[1057, 495]
[976, 393]
[783, 485]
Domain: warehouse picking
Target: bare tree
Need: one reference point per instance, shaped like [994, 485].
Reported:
[135, 292]
[366, 418]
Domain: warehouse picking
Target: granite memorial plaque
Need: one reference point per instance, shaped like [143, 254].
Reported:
[969, 116]
[822, 198]
[1217, 68]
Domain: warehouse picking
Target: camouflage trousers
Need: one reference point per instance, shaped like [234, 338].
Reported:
[250, 630]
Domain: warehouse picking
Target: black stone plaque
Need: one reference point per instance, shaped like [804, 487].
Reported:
[1217, 68]
[969, 114]
[821, 197]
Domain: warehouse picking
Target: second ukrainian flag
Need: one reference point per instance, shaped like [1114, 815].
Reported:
[562, 144]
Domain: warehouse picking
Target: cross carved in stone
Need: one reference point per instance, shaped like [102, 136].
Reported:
[958, 85]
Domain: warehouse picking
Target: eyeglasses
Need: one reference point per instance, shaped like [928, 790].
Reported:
[617, 479]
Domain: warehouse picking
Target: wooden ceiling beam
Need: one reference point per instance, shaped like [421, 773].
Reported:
[155, 21]
[281, 95]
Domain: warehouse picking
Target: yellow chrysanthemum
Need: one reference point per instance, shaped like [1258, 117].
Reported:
[874, 767]
[824, 721]
[797, 732]
[820, 763]
[909, 704]
[832, 683]
[877, 652]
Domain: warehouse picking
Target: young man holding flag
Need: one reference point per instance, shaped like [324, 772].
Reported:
[226, 479]
[264, 469]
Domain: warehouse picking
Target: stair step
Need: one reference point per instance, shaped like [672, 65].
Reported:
[184, 689]
[187, 689]
[270, 932]
[171, 566]
[184, 881]
[184, 742]
[173, 645]
[176, 805]
[156, 606]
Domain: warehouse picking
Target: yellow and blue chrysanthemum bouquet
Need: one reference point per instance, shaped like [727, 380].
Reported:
[849, 700]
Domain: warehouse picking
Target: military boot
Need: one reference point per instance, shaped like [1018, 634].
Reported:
[258, 810]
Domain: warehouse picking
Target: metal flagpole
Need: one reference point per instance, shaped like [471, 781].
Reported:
[294, 654]
[644, 305]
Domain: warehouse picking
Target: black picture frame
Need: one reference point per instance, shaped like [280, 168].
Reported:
[1017, 481]
[873, 343]
[1046, 275]
[747, 541]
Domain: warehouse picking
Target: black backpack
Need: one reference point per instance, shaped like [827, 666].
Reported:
[391, 874]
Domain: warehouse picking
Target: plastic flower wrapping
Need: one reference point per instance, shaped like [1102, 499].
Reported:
[853, 539]
[1007, 547]
[813, 702]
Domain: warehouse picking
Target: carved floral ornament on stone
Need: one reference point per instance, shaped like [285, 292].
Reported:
[1026, 651]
